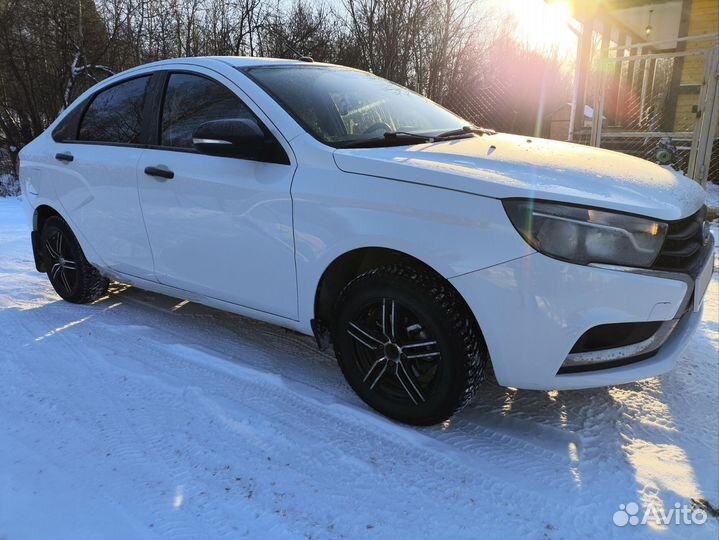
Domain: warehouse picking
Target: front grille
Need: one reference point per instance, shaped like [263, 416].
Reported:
[682, 248]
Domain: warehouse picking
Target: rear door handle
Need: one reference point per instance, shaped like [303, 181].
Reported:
[64, 156]
[162, 173]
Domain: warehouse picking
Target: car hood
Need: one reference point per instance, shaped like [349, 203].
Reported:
[503, 165]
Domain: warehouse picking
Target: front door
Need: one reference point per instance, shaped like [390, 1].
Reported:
[221, 226]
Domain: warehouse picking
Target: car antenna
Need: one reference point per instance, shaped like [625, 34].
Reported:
[301, 57]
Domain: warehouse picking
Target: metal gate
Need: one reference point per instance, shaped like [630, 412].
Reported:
[638, 107]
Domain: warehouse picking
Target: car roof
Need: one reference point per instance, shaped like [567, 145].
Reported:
[207, 61]
[246, 61]
[235, 61]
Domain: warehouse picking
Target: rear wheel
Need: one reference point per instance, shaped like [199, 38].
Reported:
[408, 345]
[72, 277]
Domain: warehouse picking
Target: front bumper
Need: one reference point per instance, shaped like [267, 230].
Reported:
[533, 310]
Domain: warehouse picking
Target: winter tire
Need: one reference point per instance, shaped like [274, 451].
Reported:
[408, 345]
[72, 277]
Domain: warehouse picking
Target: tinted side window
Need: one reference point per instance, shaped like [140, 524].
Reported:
[66, 130]
[191, 100]
[115, 115]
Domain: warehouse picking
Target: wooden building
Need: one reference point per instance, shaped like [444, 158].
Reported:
[648, 69]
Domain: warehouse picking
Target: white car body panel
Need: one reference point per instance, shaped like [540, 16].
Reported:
[330, 221]
[546, 305]
[194, 296]
[504, 166]
[256, 238]
[221, 223]
[34, 174]
[98, 190]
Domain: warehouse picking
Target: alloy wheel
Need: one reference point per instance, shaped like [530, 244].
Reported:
[63, 269]
[394, 350]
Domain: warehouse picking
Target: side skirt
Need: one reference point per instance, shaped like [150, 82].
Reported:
[215, 303]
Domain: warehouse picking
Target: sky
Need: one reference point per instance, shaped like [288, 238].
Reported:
[542, 25]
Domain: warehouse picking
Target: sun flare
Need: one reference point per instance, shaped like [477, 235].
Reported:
[544, 26]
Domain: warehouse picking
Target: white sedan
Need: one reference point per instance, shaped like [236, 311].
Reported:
[335, 203]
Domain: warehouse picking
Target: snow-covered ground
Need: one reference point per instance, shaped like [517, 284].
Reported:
[142, 416]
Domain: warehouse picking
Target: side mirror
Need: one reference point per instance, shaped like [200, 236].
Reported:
[239, 138]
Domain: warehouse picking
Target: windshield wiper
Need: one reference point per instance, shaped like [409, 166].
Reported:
[390, 138]
[398, 138]
[464, 130]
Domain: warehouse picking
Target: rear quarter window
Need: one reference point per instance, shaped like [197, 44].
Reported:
[66, 130]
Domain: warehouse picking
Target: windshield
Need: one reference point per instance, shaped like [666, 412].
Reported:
[343, 107]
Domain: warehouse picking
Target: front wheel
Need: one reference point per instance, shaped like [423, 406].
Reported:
[408, 345]
[70, 274]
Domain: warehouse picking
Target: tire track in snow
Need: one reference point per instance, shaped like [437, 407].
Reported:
[307, 402]
[184, 426]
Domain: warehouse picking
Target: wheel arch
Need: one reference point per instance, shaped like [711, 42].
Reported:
[40, 215]
[351, 264]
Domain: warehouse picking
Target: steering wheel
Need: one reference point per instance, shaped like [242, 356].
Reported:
[377, 126]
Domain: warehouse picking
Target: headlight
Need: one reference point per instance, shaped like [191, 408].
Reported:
[586, 235]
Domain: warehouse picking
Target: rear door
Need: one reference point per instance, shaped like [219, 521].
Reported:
[220, 226]
[96, 174]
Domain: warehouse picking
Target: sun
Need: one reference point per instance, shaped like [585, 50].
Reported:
[544, 26]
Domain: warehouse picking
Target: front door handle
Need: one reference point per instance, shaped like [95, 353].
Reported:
[157, 171]
[64, 156]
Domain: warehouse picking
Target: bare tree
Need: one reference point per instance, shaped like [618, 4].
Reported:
[46, 49]
[304, 30]
[457, 52]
